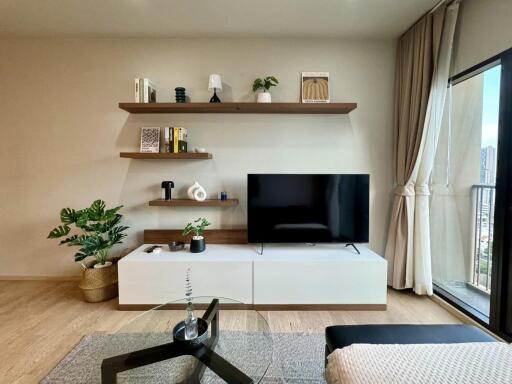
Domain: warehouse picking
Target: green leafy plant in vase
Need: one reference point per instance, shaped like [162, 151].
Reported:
[197, 243]
[264, 84]
[97, 230]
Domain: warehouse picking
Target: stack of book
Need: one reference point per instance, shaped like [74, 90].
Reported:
[145, 91]
[175, 139]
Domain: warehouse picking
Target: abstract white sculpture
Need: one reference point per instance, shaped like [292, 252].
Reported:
[196, 192]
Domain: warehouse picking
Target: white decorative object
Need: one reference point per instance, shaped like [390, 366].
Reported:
[196, 192]
[199, 194]
[264, 97]
[190, 190]
[215, 82]
[200, 150]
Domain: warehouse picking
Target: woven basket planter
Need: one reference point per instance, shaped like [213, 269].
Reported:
[99, 284]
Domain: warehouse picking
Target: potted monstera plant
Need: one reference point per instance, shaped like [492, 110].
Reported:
[95, 230]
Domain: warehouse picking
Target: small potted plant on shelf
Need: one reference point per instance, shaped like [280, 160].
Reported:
[98, 230]
[264, 84]
[197, 243]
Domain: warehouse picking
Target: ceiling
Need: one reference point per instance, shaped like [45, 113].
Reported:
[210, 18]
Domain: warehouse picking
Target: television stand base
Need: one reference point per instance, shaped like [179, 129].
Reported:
[261, 249]
[354, 246]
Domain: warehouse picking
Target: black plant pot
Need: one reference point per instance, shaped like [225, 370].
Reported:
[197, 246]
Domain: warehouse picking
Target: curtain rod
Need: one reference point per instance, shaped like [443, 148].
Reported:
[449, 2]
[435, 7]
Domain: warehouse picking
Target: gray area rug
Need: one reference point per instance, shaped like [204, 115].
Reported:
[296, 358]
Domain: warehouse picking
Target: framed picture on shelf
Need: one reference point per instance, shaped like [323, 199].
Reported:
[150, 139]
[315, 87]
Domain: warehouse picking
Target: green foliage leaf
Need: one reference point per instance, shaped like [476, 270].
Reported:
[83, 218]
[188, 229]
[94, 244]
[198, 227]
[61, 230]
[68, 240]
[68, 216]
[115, 235]
[79, 256]
[258, 83]
[78, 240]
[110, 214]
[97, 210]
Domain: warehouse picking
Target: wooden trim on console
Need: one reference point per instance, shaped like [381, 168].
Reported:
[320, 307]
[179, 306]
[213, 236]
[263, 307]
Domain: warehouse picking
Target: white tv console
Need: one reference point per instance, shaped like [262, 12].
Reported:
[325, 276]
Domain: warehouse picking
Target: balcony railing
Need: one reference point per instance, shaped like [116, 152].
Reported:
[484, 202]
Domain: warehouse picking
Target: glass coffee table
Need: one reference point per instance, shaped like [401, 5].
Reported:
[236, 346]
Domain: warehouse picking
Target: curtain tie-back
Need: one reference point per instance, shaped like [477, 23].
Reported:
[422, 190]
[404, 190]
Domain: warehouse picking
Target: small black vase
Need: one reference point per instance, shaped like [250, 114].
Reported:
[197, 246]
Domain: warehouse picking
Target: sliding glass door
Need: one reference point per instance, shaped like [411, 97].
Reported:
[470, 194]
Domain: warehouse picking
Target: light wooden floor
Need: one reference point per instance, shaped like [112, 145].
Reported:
[41, 321]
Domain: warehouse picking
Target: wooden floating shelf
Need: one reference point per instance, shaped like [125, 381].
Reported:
[193, 203]
[285, 108]
[166, 155]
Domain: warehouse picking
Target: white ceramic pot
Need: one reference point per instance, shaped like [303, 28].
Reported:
[264, 97]
[107, 264]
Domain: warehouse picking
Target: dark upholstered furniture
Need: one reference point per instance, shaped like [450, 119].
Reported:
[340, 336]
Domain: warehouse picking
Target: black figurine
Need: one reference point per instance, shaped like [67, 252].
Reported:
[168, 185]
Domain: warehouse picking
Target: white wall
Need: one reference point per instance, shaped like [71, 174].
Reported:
[61, 131]
[484, 30]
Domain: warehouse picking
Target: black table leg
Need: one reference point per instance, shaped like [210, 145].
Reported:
[211, 315]
[223, 368]
[113, 365]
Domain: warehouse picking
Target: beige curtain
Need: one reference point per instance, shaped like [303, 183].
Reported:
[423, 57]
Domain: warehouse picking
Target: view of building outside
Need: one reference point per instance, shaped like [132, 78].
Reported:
[485, 192]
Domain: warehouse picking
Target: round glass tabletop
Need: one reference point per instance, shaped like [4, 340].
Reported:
[237, 349]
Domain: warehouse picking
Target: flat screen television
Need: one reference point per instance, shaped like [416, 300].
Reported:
[315, 208]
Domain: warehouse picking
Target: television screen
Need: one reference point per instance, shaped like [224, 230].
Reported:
[295, 208]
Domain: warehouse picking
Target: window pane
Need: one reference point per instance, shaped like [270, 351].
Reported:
[463, 190]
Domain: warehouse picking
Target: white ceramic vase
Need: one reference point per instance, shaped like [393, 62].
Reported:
[264, 97]
[196, 192]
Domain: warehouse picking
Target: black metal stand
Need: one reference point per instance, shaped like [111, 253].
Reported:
[353, 245]
[203, 352]
[261, 249]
